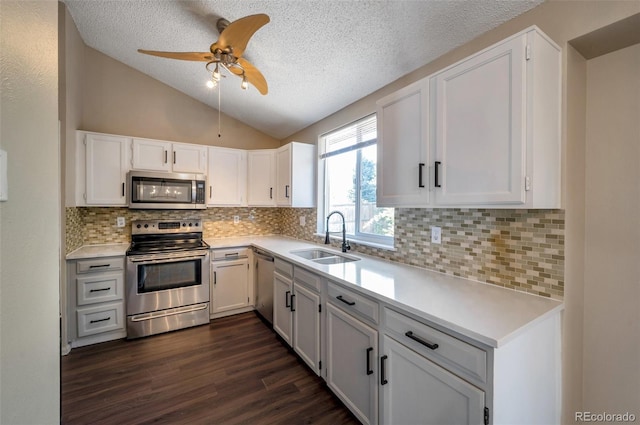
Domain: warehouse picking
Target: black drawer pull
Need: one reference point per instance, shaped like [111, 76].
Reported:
[345, 301]
[292, 307]
[270, 193]
[287, 302]
[420, 167]
[95, 266]
[383, 378]
[100, 290]
[101, 320]
[421, 341]
[369, 371]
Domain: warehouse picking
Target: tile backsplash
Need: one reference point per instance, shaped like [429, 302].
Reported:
[518, 249]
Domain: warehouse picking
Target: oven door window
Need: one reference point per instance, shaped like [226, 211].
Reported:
[169, 275]
[153, 190]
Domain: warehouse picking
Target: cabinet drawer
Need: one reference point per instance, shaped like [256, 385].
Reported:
[102, 318]
[100, 265]
[306, 278]
[282, 267]
[229, 254]
[452, 353]
[353, 302]
[100, 287]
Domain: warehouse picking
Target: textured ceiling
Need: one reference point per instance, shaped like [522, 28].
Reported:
[317, 56]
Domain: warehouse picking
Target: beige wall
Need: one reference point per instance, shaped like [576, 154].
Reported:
[612, 234]
[120, 100]
[29, 261]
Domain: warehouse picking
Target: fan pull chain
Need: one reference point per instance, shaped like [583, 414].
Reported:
[219, 113]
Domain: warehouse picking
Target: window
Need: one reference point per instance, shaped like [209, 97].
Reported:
[347, 180]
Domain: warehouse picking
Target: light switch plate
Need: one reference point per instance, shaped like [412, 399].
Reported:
[303, 220]
[236, 219]
[120, 221]
[436, 234]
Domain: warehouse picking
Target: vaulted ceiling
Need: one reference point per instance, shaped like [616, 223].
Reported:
[317, 56]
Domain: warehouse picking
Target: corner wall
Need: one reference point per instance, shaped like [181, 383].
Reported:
[29, 261]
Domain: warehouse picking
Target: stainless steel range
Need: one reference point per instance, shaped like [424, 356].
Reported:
[167, 277]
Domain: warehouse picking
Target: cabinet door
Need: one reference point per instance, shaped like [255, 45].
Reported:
[306, 326]
[479, 128]
[261, 178]
[106, 168]
[351, 360]
[403, 147]
[189, 158]
[417, 391]
[282, 321]
[230, 285]
[283, 176]
[227, 177]
[151, 155]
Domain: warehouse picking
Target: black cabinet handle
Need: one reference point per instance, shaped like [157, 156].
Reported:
[165, 156]
[215, 277]
[286, 191]
[369, 371]
[437, 171]
[421, 341]
[345, 301]
[174, 157]
[270, 193]
[420, 167]
[100, 290]
[122, 189]
[287, 303]
[383, 371]
[101, 320]
[95, 266]
[210, 192]
[292, 307]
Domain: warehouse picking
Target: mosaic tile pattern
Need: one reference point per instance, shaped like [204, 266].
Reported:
[517, 249]
[74, 227]
[99, 224]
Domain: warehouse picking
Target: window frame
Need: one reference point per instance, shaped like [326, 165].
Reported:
[323, 200]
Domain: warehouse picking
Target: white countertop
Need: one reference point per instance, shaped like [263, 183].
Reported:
[486, 313]
[94, 251]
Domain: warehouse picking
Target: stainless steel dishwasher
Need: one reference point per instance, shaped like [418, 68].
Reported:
[264, 284]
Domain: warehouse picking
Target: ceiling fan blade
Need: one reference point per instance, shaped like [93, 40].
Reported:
[254, 76]
[185, 56]
[237, 34]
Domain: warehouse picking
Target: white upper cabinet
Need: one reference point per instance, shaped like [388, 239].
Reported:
[495, 126]
[295, 175]
[403, 147]
[261, 178]
[227, 177]
[106, 165]
[481, 133]
[160, 155]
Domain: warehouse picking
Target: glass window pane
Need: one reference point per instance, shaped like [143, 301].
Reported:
[340, 191]
[374, 220]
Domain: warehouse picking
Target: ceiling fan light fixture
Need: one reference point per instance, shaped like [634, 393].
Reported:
[244, 84]
[216, 73]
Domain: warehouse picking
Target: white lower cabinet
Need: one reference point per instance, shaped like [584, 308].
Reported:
[352, 350]
[297, 314]
[230, 288]
[414, 390]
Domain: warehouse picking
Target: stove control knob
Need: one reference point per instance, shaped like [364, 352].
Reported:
[184, 224]
[190, 224]
[196, 224]
[139, 226]
[146, 226]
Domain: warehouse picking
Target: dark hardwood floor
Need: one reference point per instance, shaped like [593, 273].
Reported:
[233, 371]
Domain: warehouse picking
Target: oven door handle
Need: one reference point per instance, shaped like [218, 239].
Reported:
[165, 259]
[155, 315]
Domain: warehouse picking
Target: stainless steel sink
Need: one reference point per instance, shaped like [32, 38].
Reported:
[322, 256]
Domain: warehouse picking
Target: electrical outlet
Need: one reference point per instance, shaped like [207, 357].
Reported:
[236, 219]
[436, 234]
[120, 221]
[303, 220]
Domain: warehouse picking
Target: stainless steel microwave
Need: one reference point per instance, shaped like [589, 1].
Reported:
[148, 190]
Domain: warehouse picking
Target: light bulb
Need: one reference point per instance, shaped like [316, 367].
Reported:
[216, 73]
[244, 83]
[211, 84]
